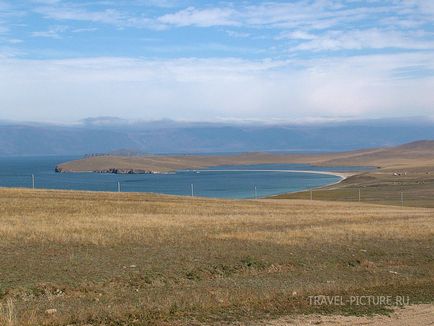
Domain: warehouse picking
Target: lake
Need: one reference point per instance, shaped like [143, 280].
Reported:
[214, 182]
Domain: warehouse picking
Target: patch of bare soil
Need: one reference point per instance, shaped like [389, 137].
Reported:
[417, 315]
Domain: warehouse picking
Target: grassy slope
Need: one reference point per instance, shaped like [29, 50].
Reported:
[379, 187]
[413, 164]
[147, 259]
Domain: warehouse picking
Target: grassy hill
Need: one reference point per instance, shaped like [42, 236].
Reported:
[411, 155]
[132, 259]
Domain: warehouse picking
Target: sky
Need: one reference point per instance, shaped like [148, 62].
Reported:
[189, 60]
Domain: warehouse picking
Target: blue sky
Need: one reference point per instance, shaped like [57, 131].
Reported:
[64, 60]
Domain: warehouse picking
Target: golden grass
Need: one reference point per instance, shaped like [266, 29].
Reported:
[107, 258]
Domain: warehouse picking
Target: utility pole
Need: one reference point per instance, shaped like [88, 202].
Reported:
[192, 190]
[33, 181]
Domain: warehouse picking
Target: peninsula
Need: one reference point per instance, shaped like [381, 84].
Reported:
[412, 155]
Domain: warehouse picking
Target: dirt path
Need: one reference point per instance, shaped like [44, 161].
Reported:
[417, 315]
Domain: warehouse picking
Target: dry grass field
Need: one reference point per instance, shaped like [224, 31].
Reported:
[76, 258]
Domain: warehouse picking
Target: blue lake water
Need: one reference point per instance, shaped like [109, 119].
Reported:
[17, 172]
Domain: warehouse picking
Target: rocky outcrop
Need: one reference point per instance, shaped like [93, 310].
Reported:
[59, 169]
[125, 171]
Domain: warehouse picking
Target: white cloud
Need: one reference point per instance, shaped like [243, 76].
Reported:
[206, 89]
[238, 34]
[108, 16]
[296, 35]
[54, 32]
[14, 41]
[3, 14]
[296, 16]
[84, 30]
[317, 15]
[327, 24]
[425, 7]
[202, 18]
[3, 28]
[373, 38]
[46, 2]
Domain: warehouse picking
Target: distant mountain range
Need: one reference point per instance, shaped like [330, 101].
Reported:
[106, 135]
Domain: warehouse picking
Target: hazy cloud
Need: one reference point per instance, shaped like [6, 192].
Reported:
[206, 89]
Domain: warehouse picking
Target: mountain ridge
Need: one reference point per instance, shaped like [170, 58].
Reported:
[173, 137]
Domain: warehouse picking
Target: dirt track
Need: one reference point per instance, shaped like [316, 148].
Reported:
[417, 315]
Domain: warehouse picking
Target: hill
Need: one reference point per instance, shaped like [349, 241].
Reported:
[411, 155]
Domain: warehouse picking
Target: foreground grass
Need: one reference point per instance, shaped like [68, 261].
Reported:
[121, 259]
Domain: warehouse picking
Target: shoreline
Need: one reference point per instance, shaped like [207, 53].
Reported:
[342, 175]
